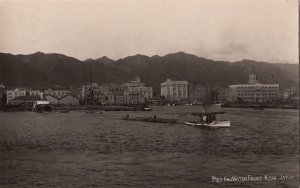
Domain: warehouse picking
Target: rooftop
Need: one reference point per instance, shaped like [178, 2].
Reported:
[26, 98]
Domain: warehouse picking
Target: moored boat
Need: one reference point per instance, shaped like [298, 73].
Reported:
[208, 119]
[216, 124]
[151, 119]
[63, 111]
[93, 112]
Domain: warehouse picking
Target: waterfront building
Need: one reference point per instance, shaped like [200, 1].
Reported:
[133, 92]
[100, 93]
[52, 99]
[68, 100]
[3, 99]
[221, 95]
[14, 92]
[288, 93]
[65, 100]
[174, 90]
[124, 96]
[253, 92]
[136, 87]
[116, 96]
[96, 93]
[57, 91]
[35, 92]
[199, 93]
[25, 102]
[135, 98]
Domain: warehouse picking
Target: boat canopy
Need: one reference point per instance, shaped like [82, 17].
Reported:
[206, 113]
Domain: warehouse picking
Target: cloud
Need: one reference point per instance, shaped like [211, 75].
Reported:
[226, 30]
[232, 48]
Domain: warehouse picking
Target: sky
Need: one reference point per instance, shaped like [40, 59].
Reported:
[230, 30]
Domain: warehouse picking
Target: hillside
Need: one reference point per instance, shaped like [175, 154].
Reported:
[42, 70]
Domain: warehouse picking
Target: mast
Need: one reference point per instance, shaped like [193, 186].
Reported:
[91, 89]
[91, 81]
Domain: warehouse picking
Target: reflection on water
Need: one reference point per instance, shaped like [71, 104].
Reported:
[90, 150]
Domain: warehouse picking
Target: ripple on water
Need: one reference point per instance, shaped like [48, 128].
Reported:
[86, 150]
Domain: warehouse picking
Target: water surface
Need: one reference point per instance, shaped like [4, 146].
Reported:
[92, 150]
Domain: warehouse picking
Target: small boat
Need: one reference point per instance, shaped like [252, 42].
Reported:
[208, 119]
[216, 124]
[42, 108]
[151, 119]
[217, 104]
[63, 111]
[289, 107]
[93, 112]
[147, 109]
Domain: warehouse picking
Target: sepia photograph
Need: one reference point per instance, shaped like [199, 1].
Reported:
[149, 93]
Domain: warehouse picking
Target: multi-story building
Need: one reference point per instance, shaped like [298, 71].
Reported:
[124, 96]
[95, 93]
[14, 92]
[174, 90]
[136, 87]
[117, 93]
[288, 93]
[116, 96]
[3, 99]
[253, 92]
[35, 92]
[57, 91]
[199, 93]
[133, 92]
[221, 95]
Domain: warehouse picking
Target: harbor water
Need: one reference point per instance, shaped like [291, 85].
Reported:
[77, 149]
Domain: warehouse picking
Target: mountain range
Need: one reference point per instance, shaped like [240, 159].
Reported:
[44, 70]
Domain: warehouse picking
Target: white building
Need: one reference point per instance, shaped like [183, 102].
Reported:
[60, 91]
[175, 90]
[13, 93]
[35, 92]
[136, 87]
[253, 92]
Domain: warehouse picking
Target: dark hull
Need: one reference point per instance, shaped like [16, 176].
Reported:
[152, 120]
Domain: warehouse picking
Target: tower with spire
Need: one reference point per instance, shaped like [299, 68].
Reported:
[253, 79]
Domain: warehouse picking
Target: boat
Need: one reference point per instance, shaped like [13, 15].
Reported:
[147, 109]
[208, 119]
[217, 124]
[42, 108]
[93, 112]
[217, 104]
[63, 111]
[289, 107]
[151, 119]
